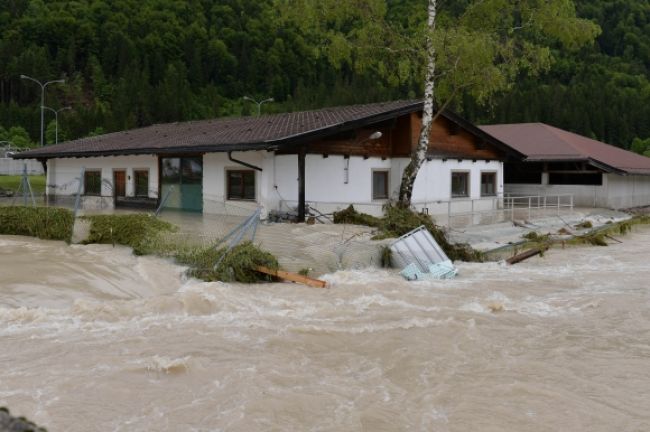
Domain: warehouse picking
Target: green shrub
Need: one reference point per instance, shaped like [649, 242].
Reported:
[49, 223]
[139, 231]
[238, 265]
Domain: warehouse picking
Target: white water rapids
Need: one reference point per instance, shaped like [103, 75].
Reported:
[95, 339]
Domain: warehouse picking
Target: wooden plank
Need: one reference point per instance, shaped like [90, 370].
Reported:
[525, 255]
[293, 277]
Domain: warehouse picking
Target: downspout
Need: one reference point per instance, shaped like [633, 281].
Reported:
[240, 162]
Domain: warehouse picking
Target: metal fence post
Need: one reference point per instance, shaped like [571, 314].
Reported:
[78, 198]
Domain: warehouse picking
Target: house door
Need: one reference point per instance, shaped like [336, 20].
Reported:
[119, 183]
[182, 183]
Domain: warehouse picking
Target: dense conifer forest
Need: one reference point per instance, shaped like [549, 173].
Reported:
[129, 63]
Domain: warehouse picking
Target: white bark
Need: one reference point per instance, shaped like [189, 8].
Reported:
[419, 153]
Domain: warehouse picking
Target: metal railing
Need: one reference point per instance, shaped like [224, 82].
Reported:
[466, 211]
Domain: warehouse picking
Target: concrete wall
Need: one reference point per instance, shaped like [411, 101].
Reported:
[627, 191]
[9, 166]
[617, 192]
[62, 176]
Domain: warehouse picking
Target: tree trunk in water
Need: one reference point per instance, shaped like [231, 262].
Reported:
[420, 152]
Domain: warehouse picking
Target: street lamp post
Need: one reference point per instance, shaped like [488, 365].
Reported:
[43, 85]
[56, 120]
[259, 104]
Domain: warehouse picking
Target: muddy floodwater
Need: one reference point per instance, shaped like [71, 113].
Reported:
[95, 339]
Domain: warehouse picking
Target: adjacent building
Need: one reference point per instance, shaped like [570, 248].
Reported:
[559, 162]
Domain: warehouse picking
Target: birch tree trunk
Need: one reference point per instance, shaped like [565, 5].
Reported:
[419, 153]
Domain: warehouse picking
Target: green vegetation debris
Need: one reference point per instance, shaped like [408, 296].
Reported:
[304, 271]
[584, 225]
[238, 265]
[399, 221]
[48, 223]
[140, 231]
[536, 237]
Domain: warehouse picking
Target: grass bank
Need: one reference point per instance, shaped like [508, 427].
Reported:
[12, 182]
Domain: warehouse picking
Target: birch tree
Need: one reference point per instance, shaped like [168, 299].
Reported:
[474, 48]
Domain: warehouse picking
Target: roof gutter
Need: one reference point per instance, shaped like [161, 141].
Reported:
[240, 162]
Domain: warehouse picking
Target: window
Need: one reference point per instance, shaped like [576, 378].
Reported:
[488, 184]
[459, 184]
[241, 185]
[93, 182]
[379, 185]
[141, 180]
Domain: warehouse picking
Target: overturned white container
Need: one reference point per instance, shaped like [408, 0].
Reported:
[420, 257]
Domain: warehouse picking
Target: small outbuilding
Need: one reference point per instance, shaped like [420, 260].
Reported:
[558, 162]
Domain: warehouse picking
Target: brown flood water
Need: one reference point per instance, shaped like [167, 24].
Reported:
[94, 339]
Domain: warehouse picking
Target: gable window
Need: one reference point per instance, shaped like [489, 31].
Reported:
[379, 185]
[141, 180]
[459, 184]
[488, 184]
[93, 182]
[240, 185]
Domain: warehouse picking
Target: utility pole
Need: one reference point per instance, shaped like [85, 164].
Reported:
[259, 104]
[43, 86]
[56, 120]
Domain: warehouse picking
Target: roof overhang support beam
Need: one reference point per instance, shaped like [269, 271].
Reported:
[301, 183]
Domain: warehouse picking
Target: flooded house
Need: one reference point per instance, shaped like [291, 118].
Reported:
[558, 162]
[326, 159]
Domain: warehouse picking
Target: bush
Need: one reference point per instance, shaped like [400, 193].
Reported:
[48, 223]
[139, 231]
[398, 221]
[238, 265]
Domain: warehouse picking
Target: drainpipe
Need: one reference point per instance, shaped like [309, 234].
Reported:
[240, 162]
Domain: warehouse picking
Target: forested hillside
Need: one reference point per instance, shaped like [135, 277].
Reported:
[129, 63]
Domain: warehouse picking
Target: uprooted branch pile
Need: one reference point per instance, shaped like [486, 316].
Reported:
[399, 221]
[237, 265]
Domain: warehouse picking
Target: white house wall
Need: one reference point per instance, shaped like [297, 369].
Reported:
[215, 166]
[62, 176]
[326, 189]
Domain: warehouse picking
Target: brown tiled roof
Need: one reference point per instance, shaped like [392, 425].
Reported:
[541, 142]
[244, 133]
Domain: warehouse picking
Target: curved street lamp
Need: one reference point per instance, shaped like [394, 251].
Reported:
[56, 120]
[259, 104]
[43, 85]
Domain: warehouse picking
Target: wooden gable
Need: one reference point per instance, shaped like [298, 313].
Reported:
[448, 140]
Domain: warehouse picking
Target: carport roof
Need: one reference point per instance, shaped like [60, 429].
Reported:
[540, 142]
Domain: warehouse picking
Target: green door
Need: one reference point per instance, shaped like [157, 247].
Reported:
[184, 177]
